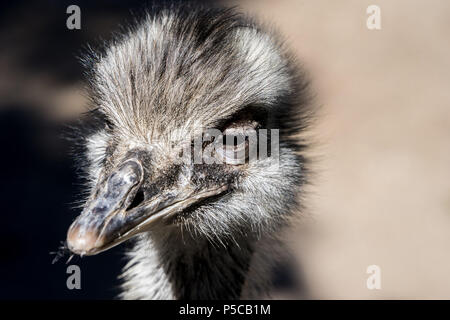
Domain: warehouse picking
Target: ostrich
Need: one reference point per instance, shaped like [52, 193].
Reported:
[200, 230]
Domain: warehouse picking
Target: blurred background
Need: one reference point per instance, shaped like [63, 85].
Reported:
[381, 192]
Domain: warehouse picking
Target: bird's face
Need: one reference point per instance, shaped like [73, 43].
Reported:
[166, 183]
[172, 93]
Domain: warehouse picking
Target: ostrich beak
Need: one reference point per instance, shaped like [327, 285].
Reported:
[109, 217]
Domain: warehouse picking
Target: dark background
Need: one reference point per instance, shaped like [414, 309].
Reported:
[39, 186]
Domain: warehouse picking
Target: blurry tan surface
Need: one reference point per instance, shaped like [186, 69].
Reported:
[382, 194]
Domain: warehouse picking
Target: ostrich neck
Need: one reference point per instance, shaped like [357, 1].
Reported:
[173, 267]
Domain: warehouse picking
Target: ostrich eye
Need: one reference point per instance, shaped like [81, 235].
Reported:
[234, 147]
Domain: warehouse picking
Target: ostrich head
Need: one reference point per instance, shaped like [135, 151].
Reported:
[154, 175]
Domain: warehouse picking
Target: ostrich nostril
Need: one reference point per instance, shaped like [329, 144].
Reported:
[138, 199]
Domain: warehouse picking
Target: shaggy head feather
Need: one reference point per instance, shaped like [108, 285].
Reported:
[179, 71]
